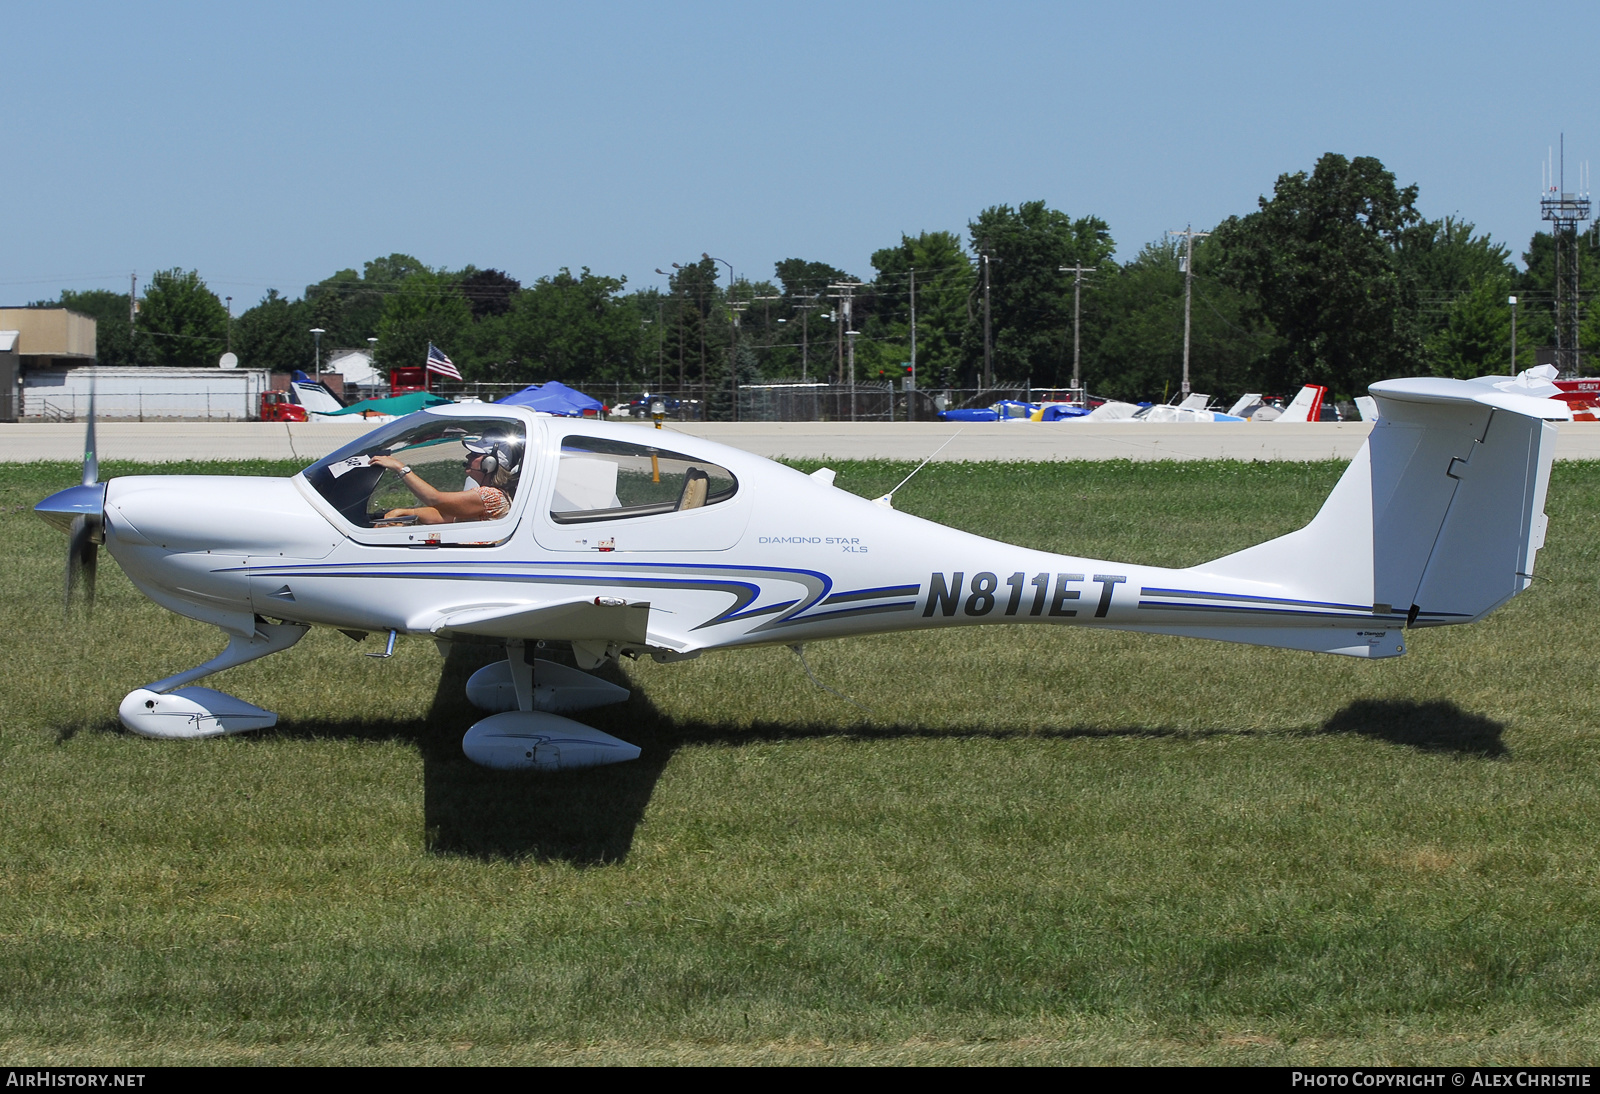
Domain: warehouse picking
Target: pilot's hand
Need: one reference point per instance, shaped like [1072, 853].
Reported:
[387, 462]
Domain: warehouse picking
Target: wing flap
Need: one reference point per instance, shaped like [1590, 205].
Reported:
[587, 620]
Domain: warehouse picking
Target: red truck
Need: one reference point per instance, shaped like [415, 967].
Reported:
[277, 406]
[403, 381]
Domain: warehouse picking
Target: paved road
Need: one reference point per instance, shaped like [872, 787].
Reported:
[160, 442]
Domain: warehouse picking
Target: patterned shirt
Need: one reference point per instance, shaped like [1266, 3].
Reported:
[495, 502]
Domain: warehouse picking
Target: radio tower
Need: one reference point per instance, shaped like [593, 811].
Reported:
[1565, 210]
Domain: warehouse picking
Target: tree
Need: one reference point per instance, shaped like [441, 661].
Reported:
[276, 335]
[570, 328]
[488, 292]
[944, 279]
[350, 305]
[425, 307]
[1133, 345]
[811, 343]
[719, 400]
[114, 341]
[1473, 334]
[699, 329]
[1320, 259]
[1030, 299]
[1461, 281]
[186, 323]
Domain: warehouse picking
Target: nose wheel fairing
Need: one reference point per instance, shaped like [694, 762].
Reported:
[191, 712]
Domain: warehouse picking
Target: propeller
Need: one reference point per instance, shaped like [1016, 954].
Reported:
[80, 512]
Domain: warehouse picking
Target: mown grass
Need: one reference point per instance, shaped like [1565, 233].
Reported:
[1023, 845]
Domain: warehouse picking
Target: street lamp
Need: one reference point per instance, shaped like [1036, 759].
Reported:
[733, 337]
[317, 333]
[1077, 270]
[682, 381]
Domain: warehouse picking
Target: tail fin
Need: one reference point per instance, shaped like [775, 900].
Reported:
[1440, 514]
[1306, 405]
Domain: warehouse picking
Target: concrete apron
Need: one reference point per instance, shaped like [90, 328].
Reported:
[160, 442]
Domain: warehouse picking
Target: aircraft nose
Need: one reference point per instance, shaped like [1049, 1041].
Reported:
[62, 507]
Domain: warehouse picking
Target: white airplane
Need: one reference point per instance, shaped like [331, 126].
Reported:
[620, 540]
[1306, 406]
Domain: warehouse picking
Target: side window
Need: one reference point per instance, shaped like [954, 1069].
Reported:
[607, 480]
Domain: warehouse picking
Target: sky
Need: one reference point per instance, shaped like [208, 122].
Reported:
[269, 145]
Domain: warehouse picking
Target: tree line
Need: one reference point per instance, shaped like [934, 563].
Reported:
[1336, 278]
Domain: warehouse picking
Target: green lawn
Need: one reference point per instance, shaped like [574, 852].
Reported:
[1023, 845]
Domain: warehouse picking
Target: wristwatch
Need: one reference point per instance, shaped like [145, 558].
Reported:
[406, 470]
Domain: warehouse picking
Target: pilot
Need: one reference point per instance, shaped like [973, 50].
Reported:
[493, 462]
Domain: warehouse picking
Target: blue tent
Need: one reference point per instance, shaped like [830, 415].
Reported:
[554, 398]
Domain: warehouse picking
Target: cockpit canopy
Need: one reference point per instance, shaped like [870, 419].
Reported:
[438, 448]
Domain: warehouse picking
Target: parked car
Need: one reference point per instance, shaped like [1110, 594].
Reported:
[640, 407]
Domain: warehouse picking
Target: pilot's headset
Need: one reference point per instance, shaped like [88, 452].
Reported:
[501, 452]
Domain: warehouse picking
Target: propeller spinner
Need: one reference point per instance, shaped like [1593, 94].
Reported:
[80, 512]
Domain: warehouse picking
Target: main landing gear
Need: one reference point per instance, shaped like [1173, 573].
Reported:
[528, 734]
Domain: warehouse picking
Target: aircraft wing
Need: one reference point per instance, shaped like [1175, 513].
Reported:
[595, 619]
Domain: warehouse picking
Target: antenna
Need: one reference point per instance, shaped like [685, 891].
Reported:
[1565, 210]
[887, 501]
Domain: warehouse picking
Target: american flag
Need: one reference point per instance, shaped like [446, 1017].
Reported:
[438, 362]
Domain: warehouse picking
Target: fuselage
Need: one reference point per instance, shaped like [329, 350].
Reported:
[777, 557]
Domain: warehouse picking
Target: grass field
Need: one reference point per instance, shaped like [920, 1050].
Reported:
[1023, 845]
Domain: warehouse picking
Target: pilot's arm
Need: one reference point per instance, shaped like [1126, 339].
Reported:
[438, 506]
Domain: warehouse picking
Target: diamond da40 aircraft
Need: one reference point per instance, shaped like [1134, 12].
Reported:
[623, 540]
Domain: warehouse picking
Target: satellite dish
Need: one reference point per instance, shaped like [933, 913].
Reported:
[229, 360]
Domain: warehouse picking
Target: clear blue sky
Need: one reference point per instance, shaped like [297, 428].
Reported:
[272, 144]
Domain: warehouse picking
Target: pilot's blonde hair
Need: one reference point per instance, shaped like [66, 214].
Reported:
[502, 478]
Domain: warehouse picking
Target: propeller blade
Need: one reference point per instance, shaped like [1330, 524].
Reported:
[91, 461]
[89, 563]
[75, 546]
[83, 559]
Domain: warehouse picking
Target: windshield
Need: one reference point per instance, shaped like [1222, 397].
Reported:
[440, 452]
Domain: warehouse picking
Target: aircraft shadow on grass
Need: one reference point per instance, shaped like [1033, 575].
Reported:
[588, 818]
[1436, 725]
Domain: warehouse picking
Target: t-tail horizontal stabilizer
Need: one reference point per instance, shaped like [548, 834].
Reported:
[1436, 521]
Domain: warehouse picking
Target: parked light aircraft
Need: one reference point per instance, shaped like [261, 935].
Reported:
[619, 540]
[1305, 407]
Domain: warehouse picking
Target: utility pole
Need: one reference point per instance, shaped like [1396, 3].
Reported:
[133, 303]
[1513, 302]
[846, 298]
[735, 311]
[733, 335]
[805, 325]
[1077, 273]
[1189, 236]
[317, 333]
[988, 369]
[911, 398]
[230, 324]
